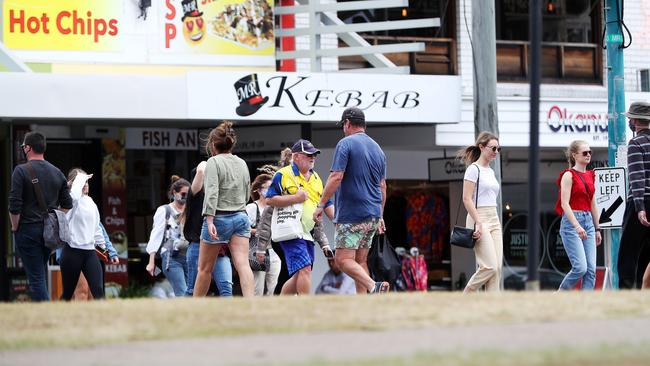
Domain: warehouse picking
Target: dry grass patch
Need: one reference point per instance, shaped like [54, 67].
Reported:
[116, 321]
[603, 355]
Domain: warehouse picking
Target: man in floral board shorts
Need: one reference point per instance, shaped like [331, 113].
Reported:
[358, 177]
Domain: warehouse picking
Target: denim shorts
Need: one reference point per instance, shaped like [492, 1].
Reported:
[236, 224]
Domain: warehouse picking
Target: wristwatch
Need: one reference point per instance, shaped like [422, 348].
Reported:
[320, 206]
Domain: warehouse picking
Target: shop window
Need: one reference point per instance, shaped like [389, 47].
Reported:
[571, 34]
[417, 216]
[439, 57]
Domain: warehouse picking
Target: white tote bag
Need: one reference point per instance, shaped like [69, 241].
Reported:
[286, 223]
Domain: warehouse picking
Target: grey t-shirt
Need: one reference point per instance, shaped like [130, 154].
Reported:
[22, 197]
[226, 183]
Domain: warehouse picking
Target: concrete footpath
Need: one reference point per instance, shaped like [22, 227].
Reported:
[292, 348]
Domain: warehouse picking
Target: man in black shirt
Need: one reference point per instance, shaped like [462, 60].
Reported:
[26, 215]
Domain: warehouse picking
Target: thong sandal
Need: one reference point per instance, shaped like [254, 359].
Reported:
[380, 288]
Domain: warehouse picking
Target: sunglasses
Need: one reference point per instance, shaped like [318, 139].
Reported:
[494, 148]
[586, 153]
[309, 155]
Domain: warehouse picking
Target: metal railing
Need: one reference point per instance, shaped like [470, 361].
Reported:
[323, 20]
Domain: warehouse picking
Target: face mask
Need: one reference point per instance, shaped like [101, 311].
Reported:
[263, 192]
[181, 200]
[630, 124]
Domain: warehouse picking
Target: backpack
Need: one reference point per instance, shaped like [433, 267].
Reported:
[56, 232]
[163, 243]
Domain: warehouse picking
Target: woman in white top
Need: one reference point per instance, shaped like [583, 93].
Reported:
[167, 238]
[79, 255]
[481, 207]
[254, 210]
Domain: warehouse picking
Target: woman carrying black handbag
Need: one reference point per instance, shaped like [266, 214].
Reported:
[482, 211]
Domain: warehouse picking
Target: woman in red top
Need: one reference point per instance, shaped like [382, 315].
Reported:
[579, 227]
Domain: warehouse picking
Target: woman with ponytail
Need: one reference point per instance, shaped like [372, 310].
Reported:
[167, 238]
[579, 226]
[480, 192]
[227, 188]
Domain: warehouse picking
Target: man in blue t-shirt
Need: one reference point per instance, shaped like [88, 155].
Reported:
[358, 176]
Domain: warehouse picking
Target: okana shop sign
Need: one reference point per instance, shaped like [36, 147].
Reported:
[322, 97]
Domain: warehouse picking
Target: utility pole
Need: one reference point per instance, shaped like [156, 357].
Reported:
[532, 283]
[484, 48]
[617, 146]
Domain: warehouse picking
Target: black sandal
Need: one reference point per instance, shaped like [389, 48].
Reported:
[380, 288]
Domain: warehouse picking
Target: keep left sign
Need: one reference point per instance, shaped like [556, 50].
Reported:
[611, 184]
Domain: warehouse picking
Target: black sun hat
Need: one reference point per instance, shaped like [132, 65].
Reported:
[639, 110]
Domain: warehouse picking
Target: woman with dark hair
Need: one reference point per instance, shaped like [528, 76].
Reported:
[268, 277]
[579, 226]
[167, 238]
[480, 191]
[227, 188]
[79, 255]
[192, 220]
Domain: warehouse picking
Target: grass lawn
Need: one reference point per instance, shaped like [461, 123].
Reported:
[117, 321]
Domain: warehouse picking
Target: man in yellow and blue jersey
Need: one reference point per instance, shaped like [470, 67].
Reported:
[299, 183]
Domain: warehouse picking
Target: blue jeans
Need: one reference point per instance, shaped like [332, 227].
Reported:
[177, 271]
[34, 255]
[222, 272]
[581, 253]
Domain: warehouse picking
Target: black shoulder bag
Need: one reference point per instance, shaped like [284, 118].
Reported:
[460, 235]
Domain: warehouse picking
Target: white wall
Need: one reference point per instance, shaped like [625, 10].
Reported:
[514, 131]
[637, 19]
[326, 41]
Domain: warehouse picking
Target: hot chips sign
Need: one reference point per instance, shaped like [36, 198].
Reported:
[62, 25]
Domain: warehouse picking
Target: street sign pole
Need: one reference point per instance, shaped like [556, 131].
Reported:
[532, 283]
[615, 107]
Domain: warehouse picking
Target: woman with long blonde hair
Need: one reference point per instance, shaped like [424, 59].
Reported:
[579, 226]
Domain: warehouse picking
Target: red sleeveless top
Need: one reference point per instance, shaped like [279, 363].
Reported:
[581, 196]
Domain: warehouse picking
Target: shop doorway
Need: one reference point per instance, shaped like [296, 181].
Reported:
[84, 154]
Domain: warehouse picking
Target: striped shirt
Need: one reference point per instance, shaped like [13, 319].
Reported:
[638, 165]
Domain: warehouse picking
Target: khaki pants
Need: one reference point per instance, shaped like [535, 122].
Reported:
[488, 251]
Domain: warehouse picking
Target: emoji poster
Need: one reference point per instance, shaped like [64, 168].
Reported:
[225, 27]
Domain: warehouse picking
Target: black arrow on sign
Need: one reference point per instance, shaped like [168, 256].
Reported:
[606, 215]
